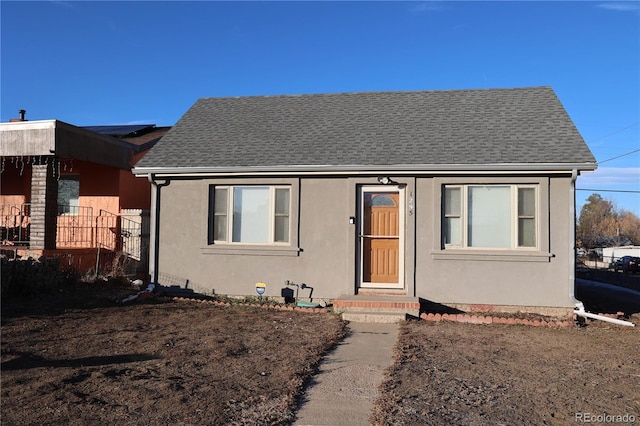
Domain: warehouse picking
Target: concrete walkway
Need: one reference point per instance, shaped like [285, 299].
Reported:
[346, 386]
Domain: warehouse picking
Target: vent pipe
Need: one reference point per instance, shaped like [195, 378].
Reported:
[17, 120]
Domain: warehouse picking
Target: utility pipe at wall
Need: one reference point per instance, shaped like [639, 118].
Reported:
[154, 231]
[579, 310]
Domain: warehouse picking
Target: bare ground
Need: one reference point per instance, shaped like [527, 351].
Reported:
[84, 359]
[80, 358]
[464, 374]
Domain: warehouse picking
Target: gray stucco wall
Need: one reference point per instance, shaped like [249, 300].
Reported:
[323, 250]
[527, 278]
[322, 245]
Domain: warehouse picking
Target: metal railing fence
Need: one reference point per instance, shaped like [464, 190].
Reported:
[78, 227]
[15, 223]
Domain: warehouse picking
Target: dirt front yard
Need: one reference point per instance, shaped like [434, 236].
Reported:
[88, 361]
[464, 374]
[84, 359]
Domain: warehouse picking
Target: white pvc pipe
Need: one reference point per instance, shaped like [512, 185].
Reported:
[579, 310]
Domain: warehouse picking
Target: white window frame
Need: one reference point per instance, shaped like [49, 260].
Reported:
[514, 216]
[230, 215]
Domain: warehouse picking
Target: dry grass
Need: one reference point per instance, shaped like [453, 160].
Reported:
[81, 358]
[84, 359]
[464, 374]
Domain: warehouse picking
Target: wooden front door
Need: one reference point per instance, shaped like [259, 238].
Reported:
[380, 237]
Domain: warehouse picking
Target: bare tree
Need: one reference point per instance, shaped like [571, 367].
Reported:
[629, 225]
[601, 224]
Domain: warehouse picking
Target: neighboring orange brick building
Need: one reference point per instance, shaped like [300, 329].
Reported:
[68, 192]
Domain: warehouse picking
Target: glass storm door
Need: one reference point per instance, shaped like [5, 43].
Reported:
[381, 237]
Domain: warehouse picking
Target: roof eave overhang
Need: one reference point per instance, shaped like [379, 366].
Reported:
[396, 169]
[64, 140]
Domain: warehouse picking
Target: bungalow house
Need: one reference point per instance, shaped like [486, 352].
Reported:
[464, 198]
[68, 192]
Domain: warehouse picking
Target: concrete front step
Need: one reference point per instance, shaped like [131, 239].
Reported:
[373, 308]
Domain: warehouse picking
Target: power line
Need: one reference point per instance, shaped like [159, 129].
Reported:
[615, 132]
[619, 156]
[608, 190]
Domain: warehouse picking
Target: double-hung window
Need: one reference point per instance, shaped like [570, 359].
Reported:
[490, 216]
[250, 214]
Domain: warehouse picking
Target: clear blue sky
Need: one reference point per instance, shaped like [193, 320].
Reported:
[96, 63]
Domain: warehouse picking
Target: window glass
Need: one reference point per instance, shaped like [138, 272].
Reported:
[489, 222]
[453, 231]
[220, 201]
[220, 214]
[452, 202]
[282, 229]
[382, 201]
[68, 194]
[526, 217]
[282, 201]
[452, 220]
[526, 202]
[526, 233]
[489, 216]
[251, 215]
[281, 232]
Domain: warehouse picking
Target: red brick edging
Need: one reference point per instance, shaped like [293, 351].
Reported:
[463, 318]
[482, 319]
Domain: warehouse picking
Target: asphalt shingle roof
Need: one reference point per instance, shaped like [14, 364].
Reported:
[462, 127]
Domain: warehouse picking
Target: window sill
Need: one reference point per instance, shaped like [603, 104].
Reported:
[486, 255]
[248, 250]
